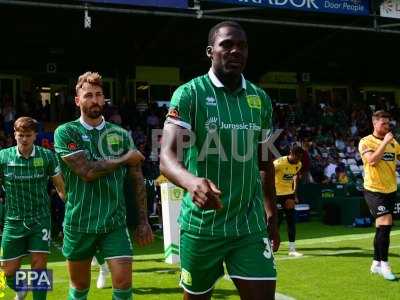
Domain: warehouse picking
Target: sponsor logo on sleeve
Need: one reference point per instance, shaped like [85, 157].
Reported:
[72, 146]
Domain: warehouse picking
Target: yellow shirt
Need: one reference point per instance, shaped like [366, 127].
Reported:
[284, 175]
[382, 176]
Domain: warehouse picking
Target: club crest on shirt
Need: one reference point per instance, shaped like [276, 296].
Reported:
[113, 139]
[38, 162]
[254, 101]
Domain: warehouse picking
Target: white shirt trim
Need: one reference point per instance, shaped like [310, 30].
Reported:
[215, 81]
[19, 154]
[90, 127]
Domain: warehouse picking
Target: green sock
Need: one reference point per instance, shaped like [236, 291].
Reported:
[11, 282]
[122, 294]
[39, 295]
[100, 259]
[74, 294]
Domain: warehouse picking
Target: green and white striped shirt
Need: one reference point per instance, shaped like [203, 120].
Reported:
[25, 182]
[97, 206]
[228, 129]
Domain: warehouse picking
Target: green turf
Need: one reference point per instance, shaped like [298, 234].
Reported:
[335, 266]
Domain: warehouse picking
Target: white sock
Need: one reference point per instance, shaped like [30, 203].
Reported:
[376, 263]
[292, 246]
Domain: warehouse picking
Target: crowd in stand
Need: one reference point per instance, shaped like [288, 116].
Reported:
[328, 133]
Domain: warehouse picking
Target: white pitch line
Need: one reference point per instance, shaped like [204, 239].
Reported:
[279, 296]
[339, 238]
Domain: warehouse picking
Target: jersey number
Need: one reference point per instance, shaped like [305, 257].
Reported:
[46, 235]
[267, 252]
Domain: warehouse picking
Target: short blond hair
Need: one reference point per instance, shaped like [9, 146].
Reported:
[379, 114]
[92, 78]
[25, 124]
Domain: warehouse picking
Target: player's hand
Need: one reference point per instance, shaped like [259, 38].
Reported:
[133, 157]
[273, 232]
[205, 193]
[275, 240]
[296, 199]
[388, 138]
[143, 234]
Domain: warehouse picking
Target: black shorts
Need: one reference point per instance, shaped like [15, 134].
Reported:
[282, 199]
[380, 204]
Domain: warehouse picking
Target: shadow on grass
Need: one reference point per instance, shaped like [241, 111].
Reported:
[217, 293]
[159, 271]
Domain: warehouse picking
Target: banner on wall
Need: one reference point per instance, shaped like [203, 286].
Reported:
[390, 9]
[347, 7]
[156, 3]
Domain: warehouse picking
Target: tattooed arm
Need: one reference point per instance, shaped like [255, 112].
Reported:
[143, 234]
[91, 170]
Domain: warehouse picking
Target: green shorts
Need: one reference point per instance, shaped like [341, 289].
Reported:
[21, 238]
[248, 257]
[81, 246]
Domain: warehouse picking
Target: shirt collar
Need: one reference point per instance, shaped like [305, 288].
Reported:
[214, 79]
[90, 127]
[19, 154]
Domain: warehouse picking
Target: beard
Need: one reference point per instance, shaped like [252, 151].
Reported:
[93, 112]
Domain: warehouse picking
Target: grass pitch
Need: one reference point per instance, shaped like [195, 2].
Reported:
[335, 266]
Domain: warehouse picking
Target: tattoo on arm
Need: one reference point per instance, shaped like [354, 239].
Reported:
[136, 175]
[89, 170]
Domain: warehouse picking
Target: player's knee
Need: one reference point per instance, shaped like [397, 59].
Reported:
[9, 269]
[384, 220]
[38, 263]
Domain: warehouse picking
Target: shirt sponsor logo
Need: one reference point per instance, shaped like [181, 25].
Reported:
[288, 176]
[11, 176]
[388, 156]
[211, 101]
[212, 125]
[254, 101]
[38, 162]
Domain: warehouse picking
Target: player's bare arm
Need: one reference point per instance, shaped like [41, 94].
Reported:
[204, 192]
[58, 182]
[267, 172]
[143, 234]
[373, 157]
[91, 170]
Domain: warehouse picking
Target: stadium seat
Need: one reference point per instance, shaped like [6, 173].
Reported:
[351, 161]
[355, 169]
